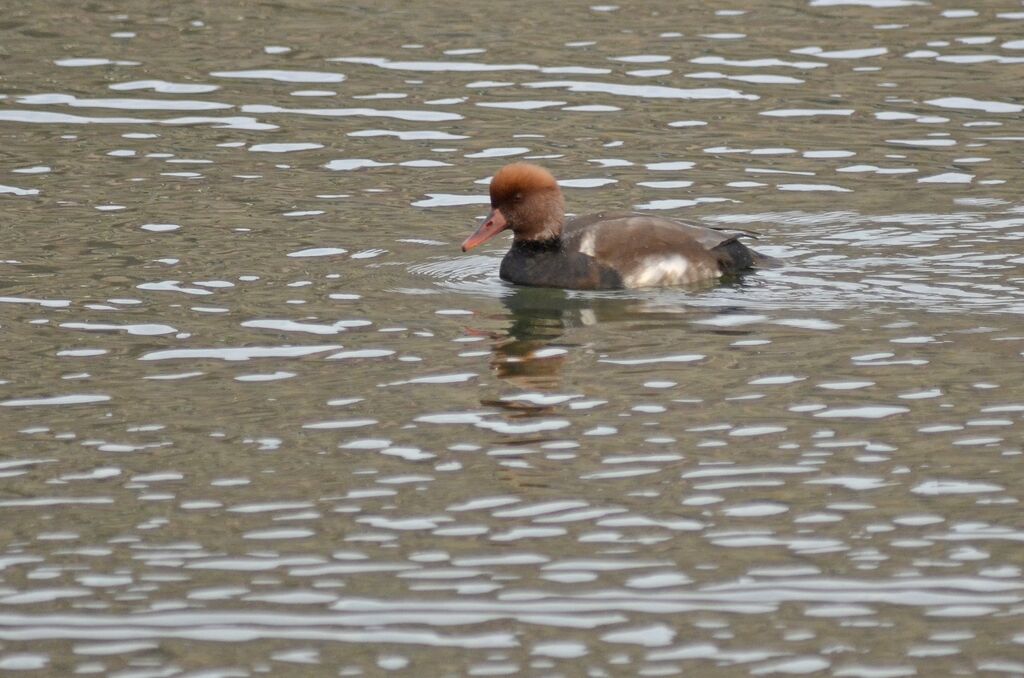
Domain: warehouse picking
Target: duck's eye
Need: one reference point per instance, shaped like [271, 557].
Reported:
[518, 196]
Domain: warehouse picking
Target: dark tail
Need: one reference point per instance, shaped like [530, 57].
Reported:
[733, 257]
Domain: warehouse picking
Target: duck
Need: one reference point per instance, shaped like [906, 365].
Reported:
[602, 251]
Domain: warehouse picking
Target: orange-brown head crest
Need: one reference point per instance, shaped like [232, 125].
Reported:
[518, 179]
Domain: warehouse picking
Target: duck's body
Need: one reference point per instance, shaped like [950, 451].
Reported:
[608, 250]
[614, 250]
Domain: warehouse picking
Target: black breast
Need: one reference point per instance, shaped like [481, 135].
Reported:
[547, 264]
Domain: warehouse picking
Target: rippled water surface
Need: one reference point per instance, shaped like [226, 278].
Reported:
[259, 415]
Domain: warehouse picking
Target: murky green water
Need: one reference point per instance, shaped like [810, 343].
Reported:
[259, 415]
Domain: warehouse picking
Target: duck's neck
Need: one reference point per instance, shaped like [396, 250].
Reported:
[534, 245]
[549, 231]
[543, 214]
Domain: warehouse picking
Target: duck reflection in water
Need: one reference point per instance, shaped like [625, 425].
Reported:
[526, 355]
[532, 353]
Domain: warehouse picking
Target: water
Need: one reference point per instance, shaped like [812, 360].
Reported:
[258, 414]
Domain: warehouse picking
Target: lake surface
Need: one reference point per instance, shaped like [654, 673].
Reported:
[260, 415]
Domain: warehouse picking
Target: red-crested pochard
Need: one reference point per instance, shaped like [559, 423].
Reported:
[608, 250]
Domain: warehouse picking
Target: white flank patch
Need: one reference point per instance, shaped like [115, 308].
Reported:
[662, 270]
[671, 269]
[587, 244]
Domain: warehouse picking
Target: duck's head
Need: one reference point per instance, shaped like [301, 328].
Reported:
[526, 199]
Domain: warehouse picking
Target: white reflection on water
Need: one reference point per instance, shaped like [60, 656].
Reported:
[645, 91]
